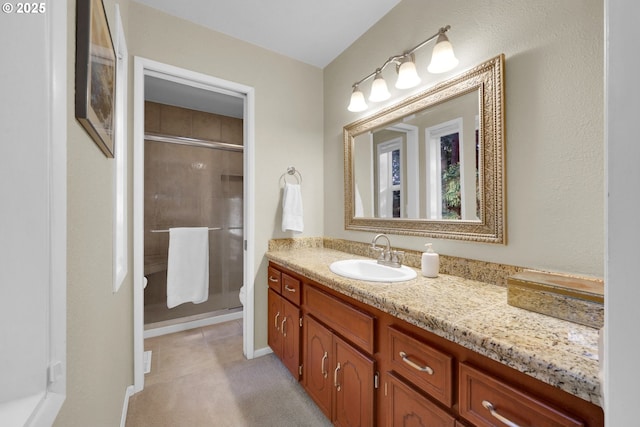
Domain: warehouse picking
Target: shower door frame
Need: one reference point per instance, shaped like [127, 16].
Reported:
[145, 67]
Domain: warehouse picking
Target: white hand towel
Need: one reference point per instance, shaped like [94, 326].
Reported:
[188, 266]
[292, 208]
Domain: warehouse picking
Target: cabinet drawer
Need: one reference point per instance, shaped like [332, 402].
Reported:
[348, 321]
[429, 369]
[487, 401]
[291, 288]
[274, 279]
[410, 408]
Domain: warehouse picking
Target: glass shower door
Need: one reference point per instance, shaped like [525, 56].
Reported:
[193, 186]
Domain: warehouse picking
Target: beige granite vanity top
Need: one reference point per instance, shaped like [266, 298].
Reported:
[473, 314]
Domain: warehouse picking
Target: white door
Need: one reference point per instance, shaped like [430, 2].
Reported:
[33, 124]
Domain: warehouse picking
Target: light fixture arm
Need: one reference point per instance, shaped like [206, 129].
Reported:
[396, 59]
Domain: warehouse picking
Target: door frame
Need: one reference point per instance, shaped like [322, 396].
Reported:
[146, 67]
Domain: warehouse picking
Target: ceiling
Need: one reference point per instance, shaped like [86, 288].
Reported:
[313, 32]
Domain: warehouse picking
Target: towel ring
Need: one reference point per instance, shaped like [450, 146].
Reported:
[293, 172]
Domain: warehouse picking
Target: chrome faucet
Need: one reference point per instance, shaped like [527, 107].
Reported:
[387, 256]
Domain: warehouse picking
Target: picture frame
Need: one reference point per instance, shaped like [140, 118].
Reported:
[95, 74]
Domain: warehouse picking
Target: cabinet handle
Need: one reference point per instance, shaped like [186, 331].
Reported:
[335, 377]
[489, 406]
[323, 369]
[275, 321]
[287, 288]
[284, 331]
[411, 363]
[272, 279]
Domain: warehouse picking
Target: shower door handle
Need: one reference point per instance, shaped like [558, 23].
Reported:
[275, 321]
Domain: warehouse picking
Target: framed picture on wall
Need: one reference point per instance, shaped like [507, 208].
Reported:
[95, 74]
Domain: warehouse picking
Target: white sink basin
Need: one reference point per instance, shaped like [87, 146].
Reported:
[370, 270]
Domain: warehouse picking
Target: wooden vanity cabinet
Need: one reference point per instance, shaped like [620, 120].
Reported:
[337, 375]
[284, 317]
[345, 343]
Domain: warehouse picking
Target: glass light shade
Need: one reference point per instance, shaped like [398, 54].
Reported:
[357, 103]
[443, 58]
[407, 75]
[379, 90]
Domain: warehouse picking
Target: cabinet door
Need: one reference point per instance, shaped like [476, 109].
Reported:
[290, 329]
[408, 408]
[275, 316]
[353, 386]
[318, 362]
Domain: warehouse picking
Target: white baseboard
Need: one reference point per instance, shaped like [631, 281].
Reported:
[262, 352]
[185, 326]
[125, 406]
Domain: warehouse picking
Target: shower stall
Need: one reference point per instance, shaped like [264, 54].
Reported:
[193, 177]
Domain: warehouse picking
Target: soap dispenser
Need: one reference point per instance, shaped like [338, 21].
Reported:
[430, 262]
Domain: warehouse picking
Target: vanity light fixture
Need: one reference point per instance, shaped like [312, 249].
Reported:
[407, 73]
[357, 100]
[379, 89]
[442, 60]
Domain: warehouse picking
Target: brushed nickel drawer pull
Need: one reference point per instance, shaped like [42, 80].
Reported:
[323, 369]
[275, 321]
[286, 287]
[272, 279]
[489, 406]
[335, 377]
[411, 363]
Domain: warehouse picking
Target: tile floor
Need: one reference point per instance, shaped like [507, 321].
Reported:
[200, 378]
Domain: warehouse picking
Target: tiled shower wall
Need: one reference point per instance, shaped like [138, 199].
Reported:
[188, 186]
[169, 120]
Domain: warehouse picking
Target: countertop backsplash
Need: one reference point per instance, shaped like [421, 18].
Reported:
[482, 271]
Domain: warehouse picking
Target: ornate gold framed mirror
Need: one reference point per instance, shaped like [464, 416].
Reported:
[433, 164]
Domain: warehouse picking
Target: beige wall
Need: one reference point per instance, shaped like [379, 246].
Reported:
[288, 131]
[99, 322]
[554, 120]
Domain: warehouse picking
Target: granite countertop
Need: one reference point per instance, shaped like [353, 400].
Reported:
[473, 314]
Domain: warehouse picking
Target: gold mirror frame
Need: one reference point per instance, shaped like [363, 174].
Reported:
[487, 79]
